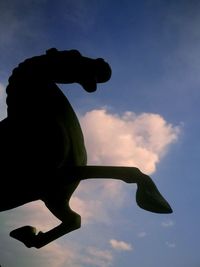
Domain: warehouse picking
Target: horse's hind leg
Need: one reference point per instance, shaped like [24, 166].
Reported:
[58, 204]
[27, 234]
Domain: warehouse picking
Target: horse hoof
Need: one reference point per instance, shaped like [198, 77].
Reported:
[150, 199]
[25, 234]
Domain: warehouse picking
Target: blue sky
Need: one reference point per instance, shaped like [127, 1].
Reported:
[150, 114]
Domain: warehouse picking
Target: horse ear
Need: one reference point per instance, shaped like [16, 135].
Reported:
[51, 51]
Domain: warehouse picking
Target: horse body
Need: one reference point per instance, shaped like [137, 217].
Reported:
[43, 155]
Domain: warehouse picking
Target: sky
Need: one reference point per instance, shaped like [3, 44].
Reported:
[146, 116]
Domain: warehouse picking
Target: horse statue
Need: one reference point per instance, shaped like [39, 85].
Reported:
[43, 156]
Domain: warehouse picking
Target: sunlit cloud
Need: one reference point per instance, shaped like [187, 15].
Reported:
[112, 196]
[98, 257]
[170, 244]
[57, 255]
[91, 210]
[120, 245]
[168, 223]
[142, 234]
[127, 139]
[35, 214]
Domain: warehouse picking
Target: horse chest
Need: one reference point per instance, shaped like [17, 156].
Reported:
[74, 145]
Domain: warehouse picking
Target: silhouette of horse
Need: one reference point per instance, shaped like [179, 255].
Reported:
[43, 156]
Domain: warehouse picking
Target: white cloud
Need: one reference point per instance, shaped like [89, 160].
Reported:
[129, 139]
[97, 257]
[141, 140]
[168, 223]
[120, 245]
[57, 255]
[142, 234]
[97, 200]
[35, 214]
[91, 210]
[170, 244]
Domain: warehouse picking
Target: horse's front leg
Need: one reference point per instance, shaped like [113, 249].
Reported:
[148, 196]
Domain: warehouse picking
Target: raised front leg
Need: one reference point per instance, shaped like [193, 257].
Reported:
[148, 196]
